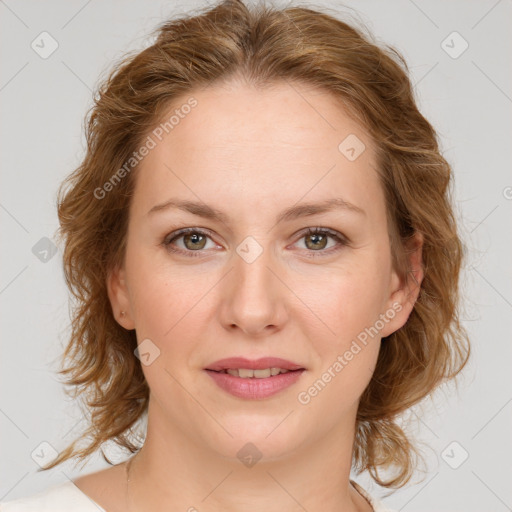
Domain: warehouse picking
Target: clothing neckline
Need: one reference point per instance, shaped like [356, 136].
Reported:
[77, 489]
[356, 486]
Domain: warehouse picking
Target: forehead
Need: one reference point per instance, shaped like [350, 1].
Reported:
[279, 143]
[280, 114]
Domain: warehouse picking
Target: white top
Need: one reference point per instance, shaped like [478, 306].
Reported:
[67, 497]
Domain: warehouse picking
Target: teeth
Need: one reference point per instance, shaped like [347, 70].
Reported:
[245, 373]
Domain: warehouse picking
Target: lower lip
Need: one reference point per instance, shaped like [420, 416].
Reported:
[253, 388]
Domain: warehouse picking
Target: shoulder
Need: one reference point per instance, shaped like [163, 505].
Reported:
[376, 504]
[64, 497]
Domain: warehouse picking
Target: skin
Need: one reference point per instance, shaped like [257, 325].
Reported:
[252, 153]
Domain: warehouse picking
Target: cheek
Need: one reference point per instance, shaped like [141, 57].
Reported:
[160, 293]
[345, 300]
[347, 304]
[167, 306]
[346, 350]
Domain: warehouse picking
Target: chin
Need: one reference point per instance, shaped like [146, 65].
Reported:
[257, 436]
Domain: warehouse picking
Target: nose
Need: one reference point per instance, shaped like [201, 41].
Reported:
[254, 296]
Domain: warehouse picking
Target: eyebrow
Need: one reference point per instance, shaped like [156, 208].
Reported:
[291, 213]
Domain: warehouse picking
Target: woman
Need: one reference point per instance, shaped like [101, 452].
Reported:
[265, 263]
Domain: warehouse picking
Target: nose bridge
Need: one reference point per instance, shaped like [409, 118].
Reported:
[253, 276]
[255, 294]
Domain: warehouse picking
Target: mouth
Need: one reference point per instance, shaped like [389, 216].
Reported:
[254, 380]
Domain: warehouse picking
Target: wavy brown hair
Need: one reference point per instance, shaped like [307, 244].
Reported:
[263, 45]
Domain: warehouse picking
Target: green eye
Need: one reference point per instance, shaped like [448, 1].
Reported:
[318, 240]
[193, 236]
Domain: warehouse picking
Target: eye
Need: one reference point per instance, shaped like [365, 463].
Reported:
[194, 241]
[317, 240]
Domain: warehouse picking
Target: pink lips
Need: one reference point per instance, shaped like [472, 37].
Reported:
[254, 388]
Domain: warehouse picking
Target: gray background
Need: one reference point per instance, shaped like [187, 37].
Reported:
[468, 100]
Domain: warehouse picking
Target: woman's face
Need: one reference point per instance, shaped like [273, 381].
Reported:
[253, 283]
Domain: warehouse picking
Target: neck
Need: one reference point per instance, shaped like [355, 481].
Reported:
[174, 471]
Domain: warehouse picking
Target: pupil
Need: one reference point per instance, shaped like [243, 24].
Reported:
[194, 237]
[317, 238]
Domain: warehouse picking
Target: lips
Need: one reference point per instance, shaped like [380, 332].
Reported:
[255, 364]
[255, 388]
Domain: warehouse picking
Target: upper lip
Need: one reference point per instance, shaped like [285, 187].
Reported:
[255, 364]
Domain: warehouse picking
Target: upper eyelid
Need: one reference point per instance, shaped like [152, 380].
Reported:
[184, 231]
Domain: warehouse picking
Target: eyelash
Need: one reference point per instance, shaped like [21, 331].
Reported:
[342, 241]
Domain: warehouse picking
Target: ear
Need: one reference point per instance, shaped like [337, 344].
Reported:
[120, 298]
[404, 291]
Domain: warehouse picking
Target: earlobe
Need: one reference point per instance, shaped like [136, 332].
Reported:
[405, 291]
[119, 298]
